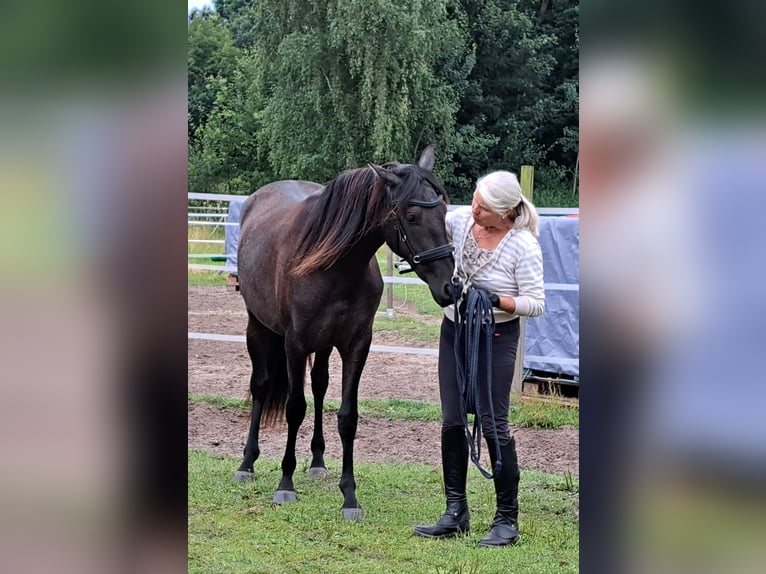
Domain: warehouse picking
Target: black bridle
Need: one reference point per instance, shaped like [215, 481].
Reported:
[429, 254]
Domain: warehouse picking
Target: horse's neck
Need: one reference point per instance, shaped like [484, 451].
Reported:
[366, 247]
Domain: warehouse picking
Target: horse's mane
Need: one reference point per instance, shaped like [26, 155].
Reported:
[338, 218]
[348, 207]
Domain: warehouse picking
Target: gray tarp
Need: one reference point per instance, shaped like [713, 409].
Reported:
[553, 339]
[232, 234]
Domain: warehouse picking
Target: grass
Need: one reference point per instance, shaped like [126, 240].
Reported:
[199, 277]
[409, 328]
[552, 197]
[544, 415]
[234, 528]
[203, 277]
[223, 403]
[418, 296]
[391, 409]
[207, 232]
[529, 414]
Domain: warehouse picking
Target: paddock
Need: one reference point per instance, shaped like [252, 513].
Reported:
[222, 369]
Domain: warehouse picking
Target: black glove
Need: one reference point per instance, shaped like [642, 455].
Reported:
[493, 299]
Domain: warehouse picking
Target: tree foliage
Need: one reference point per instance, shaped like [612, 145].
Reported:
[306, 88]
[211, 56]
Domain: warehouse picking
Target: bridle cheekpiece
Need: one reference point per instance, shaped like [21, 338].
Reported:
[432, 254]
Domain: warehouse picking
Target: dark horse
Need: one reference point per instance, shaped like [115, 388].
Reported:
[310, 282]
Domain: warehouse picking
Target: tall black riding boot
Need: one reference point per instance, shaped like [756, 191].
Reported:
[455, 519]
[505, 529]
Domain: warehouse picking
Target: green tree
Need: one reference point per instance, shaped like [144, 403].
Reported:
[305, 89]
[521, 103]
[559, 135]
[507, 81]
[228, 155]
[240, 19]
[211, 56]
[354, 81]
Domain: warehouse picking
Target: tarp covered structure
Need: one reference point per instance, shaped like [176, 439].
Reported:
[552, 340]
[231, 239]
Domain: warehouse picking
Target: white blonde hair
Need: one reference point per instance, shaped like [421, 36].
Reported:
[501, 191]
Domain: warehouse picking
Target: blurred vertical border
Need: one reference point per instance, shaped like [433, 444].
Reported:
[673, 173]
[92, 288]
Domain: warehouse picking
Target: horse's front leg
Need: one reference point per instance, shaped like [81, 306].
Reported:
[348, 418]
[320, 378]
[295, 412]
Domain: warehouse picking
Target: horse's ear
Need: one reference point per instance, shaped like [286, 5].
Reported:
[388, 176]
[427, 159]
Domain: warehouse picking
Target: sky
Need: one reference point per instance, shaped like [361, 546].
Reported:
[199, 4]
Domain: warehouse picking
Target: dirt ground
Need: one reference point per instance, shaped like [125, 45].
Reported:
[223, 369]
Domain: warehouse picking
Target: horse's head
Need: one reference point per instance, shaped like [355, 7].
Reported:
[415, 228]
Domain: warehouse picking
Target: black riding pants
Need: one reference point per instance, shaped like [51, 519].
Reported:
[504, 344]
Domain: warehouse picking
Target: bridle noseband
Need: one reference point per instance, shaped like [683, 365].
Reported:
[429, 254]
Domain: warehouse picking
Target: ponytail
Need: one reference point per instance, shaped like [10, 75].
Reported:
[526, 216]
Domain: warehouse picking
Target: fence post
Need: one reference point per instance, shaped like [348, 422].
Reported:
[527, 181]
[390, 286]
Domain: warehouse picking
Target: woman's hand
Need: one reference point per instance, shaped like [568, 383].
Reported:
[494, 299]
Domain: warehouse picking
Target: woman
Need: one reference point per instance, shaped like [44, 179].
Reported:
[495, 250]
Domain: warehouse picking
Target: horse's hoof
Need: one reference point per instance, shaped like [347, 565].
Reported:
[282, 496]
[317, 472]
[352, 513]
[243, 476]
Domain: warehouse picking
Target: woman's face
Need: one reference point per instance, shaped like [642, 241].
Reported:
[482, 214]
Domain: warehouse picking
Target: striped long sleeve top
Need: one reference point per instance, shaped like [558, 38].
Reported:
[515, 268]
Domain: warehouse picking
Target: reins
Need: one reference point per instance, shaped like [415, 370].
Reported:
[479, 321]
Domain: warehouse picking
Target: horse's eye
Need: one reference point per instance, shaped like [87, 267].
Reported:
[410, 217]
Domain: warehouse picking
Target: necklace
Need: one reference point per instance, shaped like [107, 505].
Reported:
[488, 232]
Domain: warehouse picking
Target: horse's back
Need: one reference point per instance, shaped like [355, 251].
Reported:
[274, 200]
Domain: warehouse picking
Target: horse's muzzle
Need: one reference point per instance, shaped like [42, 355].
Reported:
[444, 296]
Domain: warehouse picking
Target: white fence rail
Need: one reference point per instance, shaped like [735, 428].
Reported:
[228, 197]
[386, 278]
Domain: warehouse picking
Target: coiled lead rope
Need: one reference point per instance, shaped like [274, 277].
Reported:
[478, 319]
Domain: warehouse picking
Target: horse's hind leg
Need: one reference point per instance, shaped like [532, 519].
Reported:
[295, 412]
[320, 378]
[267, 354]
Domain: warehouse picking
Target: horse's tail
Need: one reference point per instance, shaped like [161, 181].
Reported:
[275, 400]
[274, 405]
